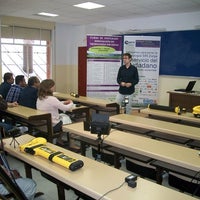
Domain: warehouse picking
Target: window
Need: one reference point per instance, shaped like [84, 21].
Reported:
[26, 47]
[27, 57]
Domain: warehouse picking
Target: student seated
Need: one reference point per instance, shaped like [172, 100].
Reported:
[27, 185]
[29, 94]
[48, 103]
[15, 90]
[3, 106]
[8, 80]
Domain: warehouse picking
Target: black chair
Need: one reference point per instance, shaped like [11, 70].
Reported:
[189, 186]
[11, 186]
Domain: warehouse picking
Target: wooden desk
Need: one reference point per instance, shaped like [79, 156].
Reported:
[88, 101]
[157, 125]
[184, 100]
[94, 178]
[79, 111]
[184, 117]
[29, 115]
[167, 152]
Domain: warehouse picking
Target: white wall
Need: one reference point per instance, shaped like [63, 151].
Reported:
[69, 38]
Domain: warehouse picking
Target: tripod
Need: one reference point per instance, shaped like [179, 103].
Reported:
[14, 141]
[100, 141]
[125, 102]
[15, 132]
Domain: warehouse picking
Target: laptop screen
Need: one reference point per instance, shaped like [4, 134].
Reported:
[190, 86]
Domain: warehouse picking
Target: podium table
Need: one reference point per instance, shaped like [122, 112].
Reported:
[184, 99]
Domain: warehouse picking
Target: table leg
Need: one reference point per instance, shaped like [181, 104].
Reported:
[28, 171]
[159, 172]
[83, 148]
[61, 191]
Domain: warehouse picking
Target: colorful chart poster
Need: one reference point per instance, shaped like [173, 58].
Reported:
[103, 61]
[145, 51]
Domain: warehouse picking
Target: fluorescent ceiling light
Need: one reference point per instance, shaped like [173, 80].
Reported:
[47, 14]
[89, 5]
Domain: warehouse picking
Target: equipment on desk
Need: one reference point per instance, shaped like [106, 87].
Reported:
[188, 88]
[124, 103]
[196, 111]
[74, 95]
[100, 124]
[14, 132]
[165, 108]
[38, 146]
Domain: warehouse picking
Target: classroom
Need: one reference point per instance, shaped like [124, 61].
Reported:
[59, 41]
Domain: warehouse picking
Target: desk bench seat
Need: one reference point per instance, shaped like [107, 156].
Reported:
[144, 170]
[184, 185]
[124, 127]
[194, 144]
[111, 110]
[167, 119]
[164, 166]
[168, 137]
[132, 155]
[118, 153]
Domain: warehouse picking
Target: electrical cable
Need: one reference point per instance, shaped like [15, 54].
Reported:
[111, 191]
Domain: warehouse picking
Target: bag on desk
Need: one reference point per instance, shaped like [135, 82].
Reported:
[65, 119]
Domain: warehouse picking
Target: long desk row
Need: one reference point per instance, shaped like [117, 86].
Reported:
[30, 116]
[158, 150]
[89, 101]
[157, 125]
[38, 119]
[187, 117]
[94, 178]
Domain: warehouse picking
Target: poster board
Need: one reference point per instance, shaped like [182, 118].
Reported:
[103, 61]
[145, 51]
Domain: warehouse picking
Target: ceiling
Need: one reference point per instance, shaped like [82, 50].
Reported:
[114, 10]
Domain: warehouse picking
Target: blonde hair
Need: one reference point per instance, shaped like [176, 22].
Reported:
[45, 88]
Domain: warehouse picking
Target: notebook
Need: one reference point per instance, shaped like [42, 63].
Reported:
[188, 88]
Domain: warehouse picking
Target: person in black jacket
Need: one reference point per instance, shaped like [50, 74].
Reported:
[127, 78]
[29, 94]
[8, 80]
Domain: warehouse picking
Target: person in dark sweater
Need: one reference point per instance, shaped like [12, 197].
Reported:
[8, 80]
[29, 94]
[127, 78]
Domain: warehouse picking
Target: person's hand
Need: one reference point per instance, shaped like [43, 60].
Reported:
[128, 84]
[123, 84]
[68, 101]
[13, 104]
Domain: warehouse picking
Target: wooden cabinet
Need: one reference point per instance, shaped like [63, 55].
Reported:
[184, 100]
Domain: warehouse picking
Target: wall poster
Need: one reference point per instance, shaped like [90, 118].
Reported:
[103, 61]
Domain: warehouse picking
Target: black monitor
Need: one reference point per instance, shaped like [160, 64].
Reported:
[100, 124]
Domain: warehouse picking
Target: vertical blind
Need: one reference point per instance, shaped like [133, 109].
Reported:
[22, 28]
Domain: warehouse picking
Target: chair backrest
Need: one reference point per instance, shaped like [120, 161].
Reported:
[12, 187]
[2, 131]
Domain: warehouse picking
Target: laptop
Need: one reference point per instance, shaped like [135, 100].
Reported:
[188, 88]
